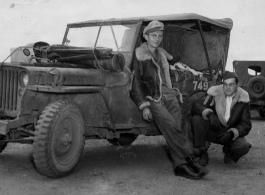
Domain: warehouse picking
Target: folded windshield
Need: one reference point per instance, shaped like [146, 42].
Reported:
[116, 37]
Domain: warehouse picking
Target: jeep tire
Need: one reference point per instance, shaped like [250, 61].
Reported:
[58, 139]
[256, 87]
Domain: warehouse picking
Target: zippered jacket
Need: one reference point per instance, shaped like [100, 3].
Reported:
[239, 121]
[147, 81]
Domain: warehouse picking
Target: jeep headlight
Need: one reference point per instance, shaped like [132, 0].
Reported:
[26, 52]
[23, 79]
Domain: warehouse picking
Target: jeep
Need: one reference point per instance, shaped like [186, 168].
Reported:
[57, 96]
[251, 75]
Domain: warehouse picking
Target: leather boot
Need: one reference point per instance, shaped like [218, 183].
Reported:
[184, 171]
[203, 158]
[196, 167]
[228, 159]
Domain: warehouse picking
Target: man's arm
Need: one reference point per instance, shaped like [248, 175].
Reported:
[173, 79]
[202, 108]
[138, 94]
[243, 123]
[172, 75]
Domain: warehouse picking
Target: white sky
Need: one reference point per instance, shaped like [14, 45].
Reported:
[28, 21]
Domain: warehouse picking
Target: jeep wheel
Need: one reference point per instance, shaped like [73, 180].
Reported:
[256, 87]
[124, 140]
[2, 145]
[58, 139]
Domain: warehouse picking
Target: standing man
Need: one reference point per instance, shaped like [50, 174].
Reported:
[153, 93]
[223, 118]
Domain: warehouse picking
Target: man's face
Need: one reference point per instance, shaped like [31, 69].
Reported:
[230, 86]
[154, 38]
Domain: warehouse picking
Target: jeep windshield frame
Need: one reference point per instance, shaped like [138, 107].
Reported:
[118, 36]
[222, 26]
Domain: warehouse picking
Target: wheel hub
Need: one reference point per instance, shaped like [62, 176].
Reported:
[66, 139]
[258, 87]
[63, 144]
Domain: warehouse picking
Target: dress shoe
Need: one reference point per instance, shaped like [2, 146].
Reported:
[203, 158]
[196, 167]
[184, 171]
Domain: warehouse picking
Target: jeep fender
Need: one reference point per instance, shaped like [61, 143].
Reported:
[91, 105]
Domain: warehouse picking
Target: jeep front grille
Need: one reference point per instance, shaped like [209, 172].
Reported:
[8, 89]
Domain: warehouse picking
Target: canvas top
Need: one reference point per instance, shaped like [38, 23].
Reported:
[225, 22]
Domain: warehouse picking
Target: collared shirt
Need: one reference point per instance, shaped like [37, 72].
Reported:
[229, 100]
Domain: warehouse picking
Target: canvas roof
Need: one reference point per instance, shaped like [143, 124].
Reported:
[225, 22]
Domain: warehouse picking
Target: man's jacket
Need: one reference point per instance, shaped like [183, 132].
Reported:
[147, 81]
[239, 121]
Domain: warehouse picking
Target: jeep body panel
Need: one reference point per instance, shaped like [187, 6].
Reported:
[251, 75]
[244, 68]
[100, 91]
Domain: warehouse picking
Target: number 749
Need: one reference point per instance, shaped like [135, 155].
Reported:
[201, 85]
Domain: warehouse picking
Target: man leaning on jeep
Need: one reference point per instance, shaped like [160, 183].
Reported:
[152, 91]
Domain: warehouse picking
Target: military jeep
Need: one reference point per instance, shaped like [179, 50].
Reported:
[251, 75]
[57, 96]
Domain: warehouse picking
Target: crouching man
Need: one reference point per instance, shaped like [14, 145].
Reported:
[223, 118]
[153, 93]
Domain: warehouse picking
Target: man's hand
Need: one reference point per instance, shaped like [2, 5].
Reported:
[225, 138]
[214, 121]
[147, 115]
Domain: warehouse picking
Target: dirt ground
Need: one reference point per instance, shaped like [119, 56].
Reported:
[143, 168]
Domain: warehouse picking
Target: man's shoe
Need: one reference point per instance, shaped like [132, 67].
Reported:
[196, 167]
[184, 171]
[204, 158]
[228, 159]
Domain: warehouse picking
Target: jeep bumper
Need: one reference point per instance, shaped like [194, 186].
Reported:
[3, 127]
[6, 125]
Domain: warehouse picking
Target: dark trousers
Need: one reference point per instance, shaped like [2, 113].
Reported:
[167, 117]
[202, 133]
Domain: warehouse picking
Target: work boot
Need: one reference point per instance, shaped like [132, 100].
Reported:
[228, 159]
[228, 156]
[203, 158]
[184, 171]
[196, 167]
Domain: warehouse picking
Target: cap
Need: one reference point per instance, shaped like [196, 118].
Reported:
[153, 26]
[229, 75]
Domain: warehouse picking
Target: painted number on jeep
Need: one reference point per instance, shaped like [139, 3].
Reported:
[201, 85]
